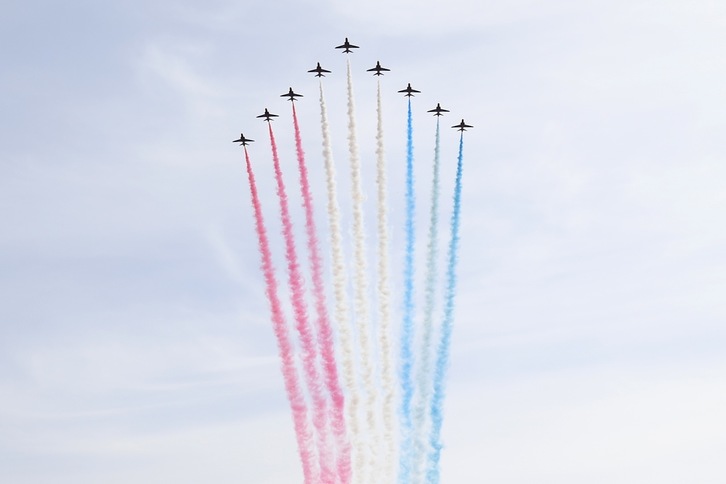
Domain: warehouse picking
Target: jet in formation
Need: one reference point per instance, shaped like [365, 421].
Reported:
[462, 126]
[378, 70]
[346, 46]
[319, 71]
[242, 140]
[409, 90]
[292, 95]
[267, 116]
[438, 110]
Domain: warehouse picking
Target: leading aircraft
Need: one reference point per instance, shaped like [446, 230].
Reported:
[378, 69]
[438, 110]
[319, 71]
[292, 95]
[409, 90]
[267, 115]
[346, 46]
[242, 140]
[462, 126]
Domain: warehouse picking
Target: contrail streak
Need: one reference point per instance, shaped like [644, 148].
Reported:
[442, 360]
[406, 452]
[384, 305]
[307, 338]
[424, 369]
[339, 292]
[361, 288]
[289, 372]
[325, 334]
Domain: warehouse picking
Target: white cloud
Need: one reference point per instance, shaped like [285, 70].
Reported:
[625, 424]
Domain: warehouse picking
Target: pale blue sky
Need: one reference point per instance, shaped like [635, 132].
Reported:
[590, 342]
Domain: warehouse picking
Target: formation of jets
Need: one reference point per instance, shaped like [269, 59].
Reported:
[377, 70]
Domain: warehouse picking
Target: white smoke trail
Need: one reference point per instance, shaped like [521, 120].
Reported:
[341, 306]
[425, 373]
[384, 305]
[361, 292]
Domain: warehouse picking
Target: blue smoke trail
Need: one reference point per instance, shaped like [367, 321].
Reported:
[442, 361]
[423, 376]
[406, 455]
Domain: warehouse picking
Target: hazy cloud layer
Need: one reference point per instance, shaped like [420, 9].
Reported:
[135, 343]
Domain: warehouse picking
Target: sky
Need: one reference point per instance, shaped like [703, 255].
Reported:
[590, 331]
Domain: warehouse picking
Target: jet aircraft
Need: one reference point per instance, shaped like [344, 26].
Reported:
[320, 72]
[462, 126]
[291, 95]
[347, 46]
[267, 115]
[242, 140]
[409, 90]
[378, 69]
[438, 110]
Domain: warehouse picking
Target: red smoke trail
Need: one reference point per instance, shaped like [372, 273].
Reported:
[325, 333]
[289, 373]
[307, 338]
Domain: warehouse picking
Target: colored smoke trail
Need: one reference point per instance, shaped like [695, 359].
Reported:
[361, 289]
[339, 292]
[442, 360]
[307, 339]
[325, 334]
[406, 451]
[295, 395]
[384, 305]
[424, 369]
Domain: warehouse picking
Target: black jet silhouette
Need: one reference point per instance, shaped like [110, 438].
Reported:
[267, 115]
[438, 110]
[242, 140]
[347, 46]
[292, 95]
[319, 71]
[409, 90]
[462, 126]
[378, 69]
